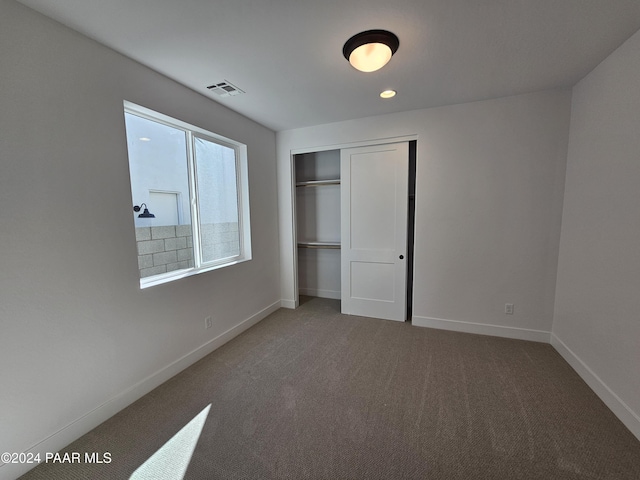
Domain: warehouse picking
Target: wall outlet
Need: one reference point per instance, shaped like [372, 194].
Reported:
[208, 323]
[508, 308]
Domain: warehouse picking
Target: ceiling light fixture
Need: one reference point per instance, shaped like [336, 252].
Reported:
[388, 94]
[371, 50]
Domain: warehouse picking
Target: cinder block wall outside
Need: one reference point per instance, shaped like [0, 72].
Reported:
[219, 240]
[168, 248]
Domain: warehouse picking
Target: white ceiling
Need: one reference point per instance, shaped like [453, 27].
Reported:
[287, 54]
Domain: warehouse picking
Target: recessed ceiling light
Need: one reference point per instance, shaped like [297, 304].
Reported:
[144, 139]
[388, 94]
[371, 50]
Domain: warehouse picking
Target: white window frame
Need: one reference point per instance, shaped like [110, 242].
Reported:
[242, 186]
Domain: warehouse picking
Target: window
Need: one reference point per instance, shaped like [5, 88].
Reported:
[190, 194]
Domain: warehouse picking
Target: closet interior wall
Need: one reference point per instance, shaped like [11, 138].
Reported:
[318, 223]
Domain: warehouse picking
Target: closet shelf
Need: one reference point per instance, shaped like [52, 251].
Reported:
[318, 183]
[330, 245]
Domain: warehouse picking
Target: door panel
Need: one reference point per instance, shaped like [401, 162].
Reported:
[374, 199]
[372, 204]
[372, 281]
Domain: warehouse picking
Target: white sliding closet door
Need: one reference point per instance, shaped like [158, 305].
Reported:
[374, 202]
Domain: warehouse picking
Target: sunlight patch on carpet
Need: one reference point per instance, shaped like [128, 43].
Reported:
[170, 462]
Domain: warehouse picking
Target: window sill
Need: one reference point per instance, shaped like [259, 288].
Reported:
[188, 272]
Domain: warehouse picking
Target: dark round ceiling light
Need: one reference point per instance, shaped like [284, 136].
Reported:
[371, 50]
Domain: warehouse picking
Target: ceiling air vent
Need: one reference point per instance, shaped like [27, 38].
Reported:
[225, 89]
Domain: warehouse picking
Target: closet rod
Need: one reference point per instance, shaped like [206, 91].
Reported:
[318, 183]
[319, 245]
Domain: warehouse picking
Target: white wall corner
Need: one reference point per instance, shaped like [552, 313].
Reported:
[482, 329]
[624, 413]
[92, 419]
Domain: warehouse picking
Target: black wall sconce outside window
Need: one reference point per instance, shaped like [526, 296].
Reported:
[145, 213]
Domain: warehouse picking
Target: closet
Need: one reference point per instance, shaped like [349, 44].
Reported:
[318, 223]
[354, 227]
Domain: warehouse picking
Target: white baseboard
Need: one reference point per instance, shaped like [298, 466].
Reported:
[312, 292]
[292, 304]
[482, 329]
[95, 417]
[627, 416]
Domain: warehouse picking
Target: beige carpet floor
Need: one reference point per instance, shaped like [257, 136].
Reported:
[313, 394]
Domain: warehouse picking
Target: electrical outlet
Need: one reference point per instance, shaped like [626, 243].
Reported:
[208, 323]
[508, 308]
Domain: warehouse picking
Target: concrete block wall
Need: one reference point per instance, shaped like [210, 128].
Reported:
[164, 249]
[168, 248]
[219, 240]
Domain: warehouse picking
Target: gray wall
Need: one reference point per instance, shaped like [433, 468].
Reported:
[79, 339]
[489, 184]
[597, 310]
